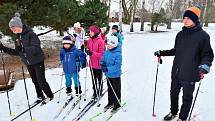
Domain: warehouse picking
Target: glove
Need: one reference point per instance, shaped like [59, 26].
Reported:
[82, 48]
[157, 53]
[204, 68]
[75, 35]
[201, 75]
[89, 52]
[104, 68]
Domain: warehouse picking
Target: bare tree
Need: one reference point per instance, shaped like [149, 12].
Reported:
[133, 11]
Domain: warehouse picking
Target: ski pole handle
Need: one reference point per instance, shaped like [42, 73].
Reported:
[160, 60]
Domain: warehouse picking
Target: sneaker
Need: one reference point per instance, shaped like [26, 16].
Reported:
[108, 106]
[169, 117]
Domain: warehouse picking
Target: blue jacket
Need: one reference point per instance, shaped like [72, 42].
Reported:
[72, 60]
[119, 36]
[113, 60]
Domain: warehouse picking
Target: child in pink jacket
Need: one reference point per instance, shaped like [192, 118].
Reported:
[95, 49]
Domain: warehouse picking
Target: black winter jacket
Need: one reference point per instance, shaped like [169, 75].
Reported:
[31, 52]
[192, 48]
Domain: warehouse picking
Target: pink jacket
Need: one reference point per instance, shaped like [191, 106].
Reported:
[97, 47]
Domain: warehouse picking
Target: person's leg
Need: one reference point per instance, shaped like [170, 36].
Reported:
[110, 92]
[188, 89]
[100, 82]
[77, 84]
[68, 83]
[94, 82]
[32, 73]
[40, 75]
[116, 83]
[174, 94]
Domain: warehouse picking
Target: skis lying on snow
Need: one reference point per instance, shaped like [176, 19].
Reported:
[112, 113]
[32, 106]
[63, 107]
[103, 112]
[72, 107]
[87, 107]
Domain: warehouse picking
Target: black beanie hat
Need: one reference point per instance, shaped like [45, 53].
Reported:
[115, 27]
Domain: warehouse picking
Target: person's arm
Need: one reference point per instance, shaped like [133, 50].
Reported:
[100, 51]
[9, 50]
[206, 55]
[61, 56]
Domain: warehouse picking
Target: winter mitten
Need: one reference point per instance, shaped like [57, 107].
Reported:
[75, 35]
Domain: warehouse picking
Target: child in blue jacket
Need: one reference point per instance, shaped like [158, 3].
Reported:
[72, 60]
[116, 32]
[111, 65]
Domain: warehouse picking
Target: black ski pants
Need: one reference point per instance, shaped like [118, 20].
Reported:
[188, 88]
[37, 73]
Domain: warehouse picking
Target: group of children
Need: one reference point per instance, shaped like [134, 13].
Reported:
[101, 59]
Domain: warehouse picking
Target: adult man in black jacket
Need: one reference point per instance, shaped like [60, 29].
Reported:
[193, 58]
[27, 46]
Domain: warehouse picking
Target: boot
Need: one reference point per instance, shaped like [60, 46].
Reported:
[78, 90]
[68, 91]
[108, 106]
[169, 117]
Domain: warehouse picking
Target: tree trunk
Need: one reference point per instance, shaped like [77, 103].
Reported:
[169, 22]
[126, 13]
[61, 33]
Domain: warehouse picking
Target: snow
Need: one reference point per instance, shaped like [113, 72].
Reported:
[139, 67]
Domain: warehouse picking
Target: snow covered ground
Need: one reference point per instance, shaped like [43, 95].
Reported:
[139, 65]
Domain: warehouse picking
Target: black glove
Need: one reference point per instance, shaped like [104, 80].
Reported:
[104, 68]
[157, 53]
[75, 35]
[88, 52]
[82, 48]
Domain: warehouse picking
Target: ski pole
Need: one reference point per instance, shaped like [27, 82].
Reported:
[94, 83]
[115, 95]
[26, 91]
[79, 95]
[85, 85]
[159, 62]
[60, 88]
[194, 101]
[8, 98]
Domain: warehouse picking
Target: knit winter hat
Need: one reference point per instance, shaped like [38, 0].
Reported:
[95, 29]
[115, 27]
[193, 13]
[77, 25]
[68, 40]
[112, 40]
[16, 21]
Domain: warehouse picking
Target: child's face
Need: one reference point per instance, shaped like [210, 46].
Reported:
[91, 34]
[67, 46]
[114, 30]
[109, 47]
[188, 22]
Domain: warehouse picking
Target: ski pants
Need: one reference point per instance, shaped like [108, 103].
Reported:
[188, 89]
[37, 73]
[69, 77]
[97, 79]
[116, 84]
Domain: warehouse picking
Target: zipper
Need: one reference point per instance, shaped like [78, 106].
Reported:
[25, 55]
